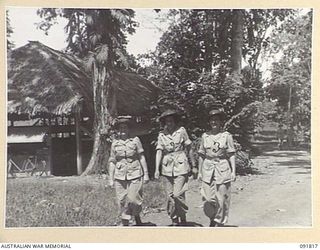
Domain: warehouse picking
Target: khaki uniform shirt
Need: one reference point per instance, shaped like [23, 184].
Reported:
[214, 149]
[175, 160]
[125, 155]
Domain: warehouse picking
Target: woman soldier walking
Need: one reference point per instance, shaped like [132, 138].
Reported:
[172, 143]
[128, 171]
[216, 169]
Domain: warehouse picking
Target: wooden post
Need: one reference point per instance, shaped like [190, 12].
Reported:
[50, 149]
[78, 141]
[289, 126]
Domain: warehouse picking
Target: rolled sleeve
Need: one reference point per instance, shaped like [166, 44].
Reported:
[185, 136]
[201, 150]
[160, 145]
[230, 144]
[139, 146]
[112, 157]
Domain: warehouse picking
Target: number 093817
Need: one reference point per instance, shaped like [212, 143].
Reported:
[308, 246]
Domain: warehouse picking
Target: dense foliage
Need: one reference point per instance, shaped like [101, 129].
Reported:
[193, 64]
[204, 58]
[290, 82]
[9, 30]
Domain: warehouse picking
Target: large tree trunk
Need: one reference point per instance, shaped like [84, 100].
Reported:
[237, 41]
[209, 40]
[105, 111]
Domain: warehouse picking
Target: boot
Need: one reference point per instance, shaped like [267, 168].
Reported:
[212, 223]
[175, 221]
[138, 220]
[125, 222]
[183, 220]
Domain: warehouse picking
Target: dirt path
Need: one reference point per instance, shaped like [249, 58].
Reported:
[278, 194]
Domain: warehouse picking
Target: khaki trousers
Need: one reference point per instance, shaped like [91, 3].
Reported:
[129, 196]
[176, 187]
[221, 193]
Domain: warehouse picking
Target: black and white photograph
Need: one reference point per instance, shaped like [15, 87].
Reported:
[121, 117]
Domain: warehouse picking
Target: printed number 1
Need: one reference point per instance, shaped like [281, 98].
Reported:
[308, 246]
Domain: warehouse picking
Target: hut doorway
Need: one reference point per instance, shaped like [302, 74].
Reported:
[64, 156]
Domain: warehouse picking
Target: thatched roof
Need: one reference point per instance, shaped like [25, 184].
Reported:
[44, 81]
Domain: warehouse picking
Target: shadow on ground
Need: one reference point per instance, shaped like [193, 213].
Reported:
[251, 171]
[146, 224]
[279, 153]
[192, 224]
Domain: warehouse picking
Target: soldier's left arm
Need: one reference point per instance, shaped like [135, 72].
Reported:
[187, 143]
[143, 163]
[231, 155]
[142, 159]
[232, 160]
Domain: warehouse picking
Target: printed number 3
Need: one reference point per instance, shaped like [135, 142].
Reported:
[308, 246]
[216, 147]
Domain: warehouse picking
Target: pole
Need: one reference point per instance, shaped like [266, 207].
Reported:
[78, 141]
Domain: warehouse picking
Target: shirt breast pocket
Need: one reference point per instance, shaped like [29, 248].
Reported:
[169, 146]
[120, 166]
[177, 138]
[119, 150]
[207, 148]
[181, 161]
[208, 165]
[131, 149]
[133, 166]
[224, 166]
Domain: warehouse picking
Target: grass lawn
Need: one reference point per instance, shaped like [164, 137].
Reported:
[69, 201]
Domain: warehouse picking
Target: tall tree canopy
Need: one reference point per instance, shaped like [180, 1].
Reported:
[99, 36]
[10, 44]
[290, 82]
[198, 62]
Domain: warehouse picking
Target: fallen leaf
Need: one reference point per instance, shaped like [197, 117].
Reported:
[281, 210]
[41, 202]
[76, 209]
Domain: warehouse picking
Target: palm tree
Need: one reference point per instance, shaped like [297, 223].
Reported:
[97, 35]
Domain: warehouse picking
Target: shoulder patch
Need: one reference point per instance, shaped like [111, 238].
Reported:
[182, 129]
[136, 139]
[115, 142]
[205, 134]
[226, 133]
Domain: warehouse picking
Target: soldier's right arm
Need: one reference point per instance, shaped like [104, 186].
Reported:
[201, 153]
[158, 161]
[112, 166]
[158, 157]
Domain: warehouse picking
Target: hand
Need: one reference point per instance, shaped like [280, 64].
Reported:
[111, 183]
[156, 174]
[146, 179]
[199, 177]
[194, 171]
[233, 176]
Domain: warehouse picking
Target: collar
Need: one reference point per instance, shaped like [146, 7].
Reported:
[124, 141]
[165, 132]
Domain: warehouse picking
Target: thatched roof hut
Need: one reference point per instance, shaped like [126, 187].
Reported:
[45, 82]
